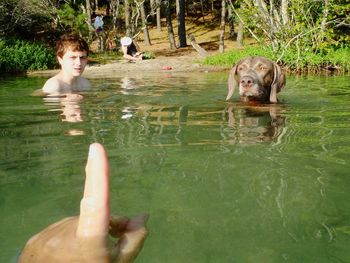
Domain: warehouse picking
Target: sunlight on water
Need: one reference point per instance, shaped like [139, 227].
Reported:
[223, 181]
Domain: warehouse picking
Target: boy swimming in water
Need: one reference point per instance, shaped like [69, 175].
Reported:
[72, 54]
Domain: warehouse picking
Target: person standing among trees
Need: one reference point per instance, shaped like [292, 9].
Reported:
[98, 24]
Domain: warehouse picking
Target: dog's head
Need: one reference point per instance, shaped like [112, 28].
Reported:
[258, 78]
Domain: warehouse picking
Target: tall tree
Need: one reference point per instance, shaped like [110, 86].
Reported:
[231, 20]
[159, 25]
[181, 25]
[222, 26]
[169, 24]
[115, 4]
[202, 10]
[88, 12]
[240, 34]
[127, 18]
[144, 25]
[153, 11]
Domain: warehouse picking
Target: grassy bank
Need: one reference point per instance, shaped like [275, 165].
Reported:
[332, 60]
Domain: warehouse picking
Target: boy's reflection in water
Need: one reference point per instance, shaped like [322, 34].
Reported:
[69, 106]
[128, 83]
[71, 111]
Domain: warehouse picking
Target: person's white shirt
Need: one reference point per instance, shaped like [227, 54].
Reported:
[98, 22]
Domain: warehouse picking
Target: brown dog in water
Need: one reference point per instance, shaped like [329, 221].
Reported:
[258, 78]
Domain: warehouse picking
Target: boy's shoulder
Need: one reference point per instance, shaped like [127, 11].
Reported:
[52, 85]
[55, 86]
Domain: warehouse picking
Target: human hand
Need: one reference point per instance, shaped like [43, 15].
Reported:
[85, 238]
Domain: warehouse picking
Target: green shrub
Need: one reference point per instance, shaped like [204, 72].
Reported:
[231, 57]
[20, 56]
[339, 58]
[148, 55]
[73, 20]
[294, 60]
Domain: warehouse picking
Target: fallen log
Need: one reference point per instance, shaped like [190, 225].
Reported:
[202, 52]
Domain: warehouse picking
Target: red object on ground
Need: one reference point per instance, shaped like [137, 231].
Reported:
[167, 68]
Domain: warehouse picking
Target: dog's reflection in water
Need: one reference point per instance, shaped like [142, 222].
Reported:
[254, 124]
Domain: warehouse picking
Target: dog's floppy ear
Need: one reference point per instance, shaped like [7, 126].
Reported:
[232, 82]
[279, 80]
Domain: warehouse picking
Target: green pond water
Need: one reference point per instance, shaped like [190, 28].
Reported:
[223, 182]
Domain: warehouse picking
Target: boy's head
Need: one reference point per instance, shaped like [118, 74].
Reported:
[72, 43]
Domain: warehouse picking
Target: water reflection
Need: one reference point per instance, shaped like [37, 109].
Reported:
[189, 125]
[128, 83]
[69, 106]
[253, 124]
[204, 168]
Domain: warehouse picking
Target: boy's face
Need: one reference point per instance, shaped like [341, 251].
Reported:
[73, 62]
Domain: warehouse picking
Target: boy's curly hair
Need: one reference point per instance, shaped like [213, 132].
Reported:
[71, 42]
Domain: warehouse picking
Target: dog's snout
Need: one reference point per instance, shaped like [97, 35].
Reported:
[247, 82]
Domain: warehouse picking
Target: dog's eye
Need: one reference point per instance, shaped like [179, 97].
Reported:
[263, 68]
[240, 68]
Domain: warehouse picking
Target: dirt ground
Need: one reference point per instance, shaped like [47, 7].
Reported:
[185, 59]
[184, 63]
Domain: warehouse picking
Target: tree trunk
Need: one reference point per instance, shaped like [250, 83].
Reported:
[93, 5]
[115, 12]
[169, 24]
[231, 23]
[101, 42]
[321, 35]
[127, 18]
[108, 8]
[159, 25]
[284, 11]
[186, 7]
[202, 52]
[144, 25]
[240, 34]
[153, 11]
[181, 26]
[88, 12]
[222, 27]
[202, 10]
[89, 22]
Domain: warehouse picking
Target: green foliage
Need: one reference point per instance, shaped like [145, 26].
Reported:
[25, 19]
[339, 59]
[293, 59]
[148, 55]
[305, 27]
[104, 58]
[73, 20]
[230, 58]
[20, 56]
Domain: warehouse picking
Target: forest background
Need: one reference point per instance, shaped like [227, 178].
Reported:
[301, 35]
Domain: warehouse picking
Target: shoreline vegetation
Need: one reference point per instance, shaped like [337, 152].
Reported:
[18, 56]
[210, 35]
[333, 61]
